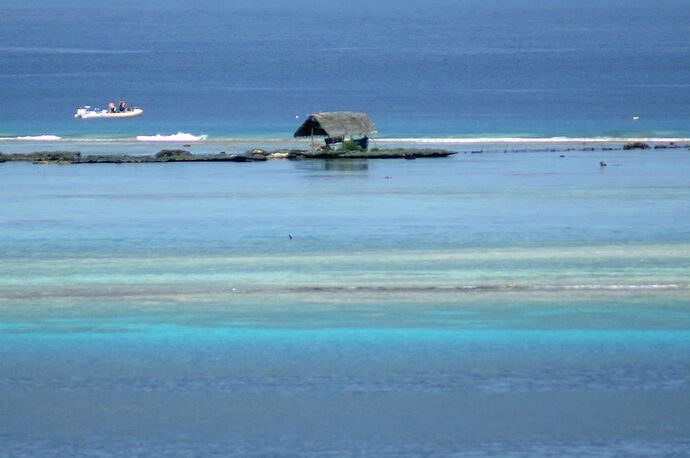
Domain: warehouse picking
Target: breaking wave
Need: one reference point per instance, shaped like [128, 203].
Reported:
[33, 138]
[178, 137]
[463, 140]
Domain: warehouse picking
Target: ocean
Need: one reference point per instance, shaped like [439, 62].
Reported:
[515, 299]
[446, 68]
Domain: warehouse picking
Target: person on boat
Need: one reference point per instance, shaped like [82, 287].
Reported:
[121, 106]
[111, 107]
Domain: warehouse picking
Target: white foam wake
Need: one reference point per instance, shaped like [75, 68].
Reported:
[178, 137]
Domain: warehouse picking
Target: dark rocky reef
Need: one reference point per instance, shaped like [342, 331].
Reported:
[635, 145]
[254, 155]
[173, 154]
[69, 157]
[44, 157]
[375, 153]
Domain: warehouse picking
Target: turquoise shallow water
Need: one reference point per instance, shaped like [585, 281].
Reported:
[516, 304]
[467, 201]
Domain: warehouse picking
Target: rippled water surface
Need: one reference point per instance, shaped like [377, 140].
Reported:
[514, 304]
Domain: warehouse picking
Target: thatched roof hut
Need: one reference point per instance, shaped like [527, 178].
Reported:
[337, 124]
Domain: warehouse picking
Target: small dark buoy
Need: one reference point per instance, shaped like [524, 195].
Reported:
[562, 155]
[290, 236]
[602, 164]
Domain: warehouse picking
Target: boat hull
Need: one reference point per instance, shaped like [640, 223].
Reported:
[107, 114]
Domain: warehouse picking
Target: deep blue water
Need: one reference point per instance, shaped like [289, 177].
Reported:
[447, 68]
[187, 392]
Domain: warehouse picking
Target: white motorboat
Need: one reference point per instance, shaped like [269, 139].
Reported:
[112, 112]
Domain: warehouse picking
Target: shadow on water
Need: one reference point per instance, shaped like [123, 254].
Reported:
[335, 165]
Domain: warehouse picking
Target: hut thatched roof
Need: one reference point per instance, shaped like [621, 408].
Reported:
[337, 124]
